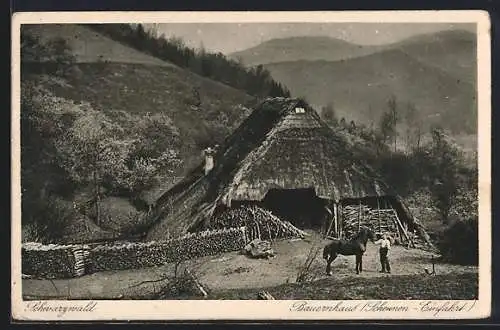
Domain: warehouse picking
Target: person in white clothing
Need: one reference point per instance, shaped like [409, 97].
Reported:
[385, 246]
[209, 159]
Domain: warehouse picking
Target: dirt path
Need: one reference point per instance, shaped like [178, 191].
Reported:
[238, 271]
[233, 270]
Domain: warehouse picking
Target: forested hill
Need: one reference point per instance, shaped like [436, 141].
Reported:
[111, 121]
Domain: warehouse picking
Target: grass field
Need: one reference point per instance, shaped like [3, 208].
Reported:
[89, 46]
[401, 287]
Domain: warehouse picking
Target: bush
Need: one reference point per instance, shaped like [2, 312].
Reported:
[466, 204]
[459, 243]
[117, 215]
[31, 233]
[45, 221]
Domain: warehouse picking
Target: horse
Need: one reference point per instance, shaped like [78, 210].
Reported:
[355, 246]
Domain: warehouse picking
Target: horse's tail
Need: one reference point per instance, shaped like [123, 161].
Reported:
[326, 252]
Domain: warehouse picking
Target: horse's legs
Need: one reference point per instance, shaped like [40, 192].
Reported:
[358, 263]
[331, 258]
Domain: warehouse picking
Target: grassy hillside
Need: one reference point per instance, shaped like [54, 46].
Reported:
[357, 85]
[136, 83]
[302, 48]
[89, 46]
[139, 89]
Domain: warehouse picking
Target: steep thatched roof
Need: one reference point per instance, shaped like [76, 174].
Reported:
[275, 147]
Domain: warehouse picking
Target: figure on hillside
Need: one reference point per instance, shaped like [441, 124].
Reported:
[352, 127]
[209, 159]
[196, 97]
[385, 246]
[342, 123]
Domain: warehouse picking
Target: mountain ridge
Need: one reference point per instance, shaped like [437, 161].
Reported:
[431, 71]
[367, 48]
[369, 81]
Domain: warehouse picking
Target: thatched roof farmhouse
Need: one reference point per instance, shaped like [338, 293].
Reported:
[284, 157]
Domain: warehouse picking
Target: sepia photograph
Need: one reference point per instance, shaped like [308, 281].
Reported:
[170, 163]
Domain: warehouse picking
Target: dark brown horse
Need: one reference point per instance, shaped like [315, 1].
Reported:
[355, 246]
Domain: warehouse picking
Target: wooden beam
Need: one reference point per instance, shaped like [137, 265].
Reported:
[341, 220]
[331, 220]
[402, 229]
[335, 219]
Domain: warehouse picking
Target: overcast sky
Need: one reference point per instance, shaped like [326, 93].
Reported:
[231, 37]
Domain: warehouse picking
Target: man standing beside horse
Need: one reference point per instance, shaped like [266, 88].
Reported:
[385, 246]
[357, 247]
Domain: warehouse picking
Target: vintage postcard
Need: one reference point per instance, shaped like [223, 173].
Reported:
[251, 165]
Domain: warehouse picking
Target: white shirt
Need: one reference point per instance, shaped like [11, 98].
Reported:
[384, 243]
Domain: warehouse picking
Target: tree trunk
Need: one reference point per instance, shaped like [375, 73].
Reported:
[418, 138]
[378, 217]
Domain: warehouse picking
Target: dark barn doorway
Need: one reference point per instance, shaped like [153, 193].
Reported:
[301, 207]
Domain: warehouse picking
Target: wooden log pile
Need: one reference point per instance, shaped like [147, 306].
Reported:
[66, 261]
[48, 261]
[381, 221]
[138, 255]
[353, 219]
[82, 259]
[259, 223]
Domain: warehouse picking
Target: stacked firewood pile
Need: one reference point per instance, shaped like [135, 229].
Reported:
[259, 223]
[48, 261]
[138, 255]
[353, 217]
[382, 221]
[65, 261]
[82, 259]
